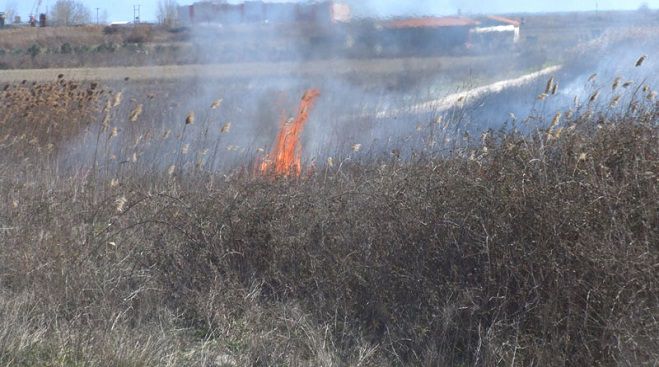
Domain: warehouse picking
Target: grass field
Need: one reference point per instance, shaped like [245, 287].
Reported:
[377, 67]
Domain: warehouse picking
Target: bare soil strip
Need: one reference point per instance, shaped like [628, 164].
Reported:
[247, 70]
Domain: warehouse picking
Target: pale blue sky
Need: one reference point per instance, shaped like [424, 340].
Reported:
[118, 10]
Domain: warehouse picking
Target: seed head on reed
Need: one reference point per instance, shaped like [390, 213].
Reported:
[614, 101]
[356, 147]
[108, 106]
[114, 182]
[550, 85]
[120, 204]
[556, 120]
[641, 60]
[189, 119]
[185, 149]
[542, 96]
[136, 113]
[592, 78]
[634, 106]
[627, 84]
[106, 121]
[616, 83]
[171, 170]
[117, 99]
[554, 89]
[226, 128]
[330, 162]
[593, 97]
[216, 104]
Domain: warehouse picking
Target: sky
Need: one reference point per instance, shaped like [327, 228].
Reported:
[122, 10]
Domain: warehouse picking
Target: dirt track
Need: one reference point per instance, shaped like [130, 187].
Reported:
[248, 70]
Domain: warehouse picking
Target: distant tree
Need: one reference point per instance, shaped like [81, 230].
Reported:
[644, 8]
[167, 12]
[69, 12]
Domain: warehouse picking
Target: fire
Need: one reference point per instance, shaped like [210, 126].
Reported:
[286, 156]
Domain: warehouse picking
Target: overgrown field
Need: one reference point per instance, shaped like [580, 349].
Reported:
[126, 242]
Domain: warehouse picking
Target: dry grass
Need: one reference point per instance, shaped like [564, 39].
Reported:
[79, 46]
[536, 249]
[25, 37]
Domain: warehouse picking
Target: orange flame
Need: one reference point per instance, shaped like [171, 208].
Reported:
[286, 156]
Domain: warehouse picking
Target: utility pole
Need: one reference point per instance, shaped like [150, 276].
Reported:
[136, 14]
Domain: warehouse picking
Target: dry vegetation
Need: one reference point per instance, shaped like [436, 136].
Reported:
[536, 249]
[79, 46]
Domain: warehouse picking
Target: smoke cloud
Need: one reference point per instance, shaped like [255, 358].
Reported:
[369, 102]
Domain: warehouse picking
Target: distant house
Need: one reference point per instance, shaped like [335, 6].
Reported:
[221, 12]
[425, 35]
[496, 31]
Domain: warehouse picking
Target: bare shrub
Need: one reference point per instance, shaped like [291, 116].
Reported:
[139, 34]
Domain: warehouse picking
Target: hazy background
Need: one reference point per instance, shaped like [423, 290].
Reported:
[122, 10]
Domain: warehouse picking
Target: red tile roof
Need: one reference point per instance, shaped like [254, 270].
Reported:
[505, 20]
[431, 22]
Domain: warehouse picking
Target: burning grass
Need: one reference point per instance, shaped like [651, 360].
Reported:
[534, 249]
[286, 156]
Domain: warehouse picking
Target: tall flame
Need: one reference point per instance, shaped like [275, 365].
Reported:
[286, 156]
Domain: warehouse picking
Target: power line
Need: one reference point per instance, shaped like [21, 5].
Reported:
[136, 13]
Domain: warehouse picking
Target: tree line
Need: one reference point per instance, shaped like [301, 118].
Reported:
[74, 12]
